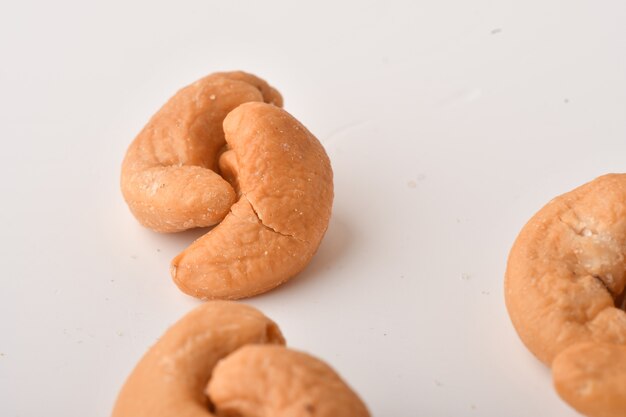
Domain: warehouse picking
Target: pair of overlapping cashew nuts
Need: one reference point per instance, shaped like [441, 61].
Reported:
[565, 291]
[271, 203]
[228, 360]
[223, 151]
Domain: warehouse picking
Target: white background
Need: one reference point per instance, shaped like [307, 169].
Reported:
[448, 123]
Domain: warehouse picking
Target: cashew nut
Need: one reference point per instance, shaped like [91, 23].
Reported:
[225, 359]
[168, 175]
[271, 233]
[565, 286]
[592, 378]
[314, 389]
[281, 176]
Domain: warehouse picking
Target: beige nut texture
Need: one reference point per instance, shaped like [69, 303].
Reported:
[169, 177]
[222, 152]
[285, 183]
[287, 383]
[592, 378]
[565, 286]
[226, 359]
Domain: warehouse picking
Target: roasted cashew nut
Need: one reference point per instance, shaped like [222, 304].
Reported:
[168, 175]
[281, 173]
[271, 233]
[565, 287]
[592, 378]
[226, 359]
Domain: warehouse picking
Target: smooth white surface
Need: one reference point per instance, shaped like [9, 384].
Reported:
[448, 123]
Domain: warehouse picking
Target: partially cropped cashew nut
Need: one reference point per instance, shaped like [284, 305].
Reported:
[565, 287]
[592, 378]
[168, 175]
[288, 383]
[226, 359]
[285, 183]
[272, 222]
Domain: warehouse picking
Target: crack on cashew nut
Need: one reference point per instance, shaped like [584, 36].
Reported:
[256, 213]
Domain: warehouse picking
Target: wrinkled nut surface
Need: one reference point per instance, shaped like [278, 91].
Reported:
[224, 359]
[565, 286]
[285, 184]
[287, 383]
[221, 152]
[169, 177]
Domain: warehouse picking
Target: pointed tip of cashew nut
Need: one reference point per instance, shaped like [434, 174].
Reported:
[168, 175]
[592, 378]
[565, 285]
[220, 345]
[285, 182]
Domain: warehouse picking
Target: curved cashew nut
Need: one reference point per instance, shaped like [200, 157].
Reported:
[234, 349]
[314, 389]
[168, 175]
[565, 286]
[170, 378]
[280, 171]
[286, 186]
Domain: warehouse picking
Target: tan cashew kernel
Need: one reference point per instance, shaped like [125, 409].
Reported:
[169, 177]
[288, 383]
[227, 130]
[285, 183]
[592, 378]
[218, 361]
[565, 287]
